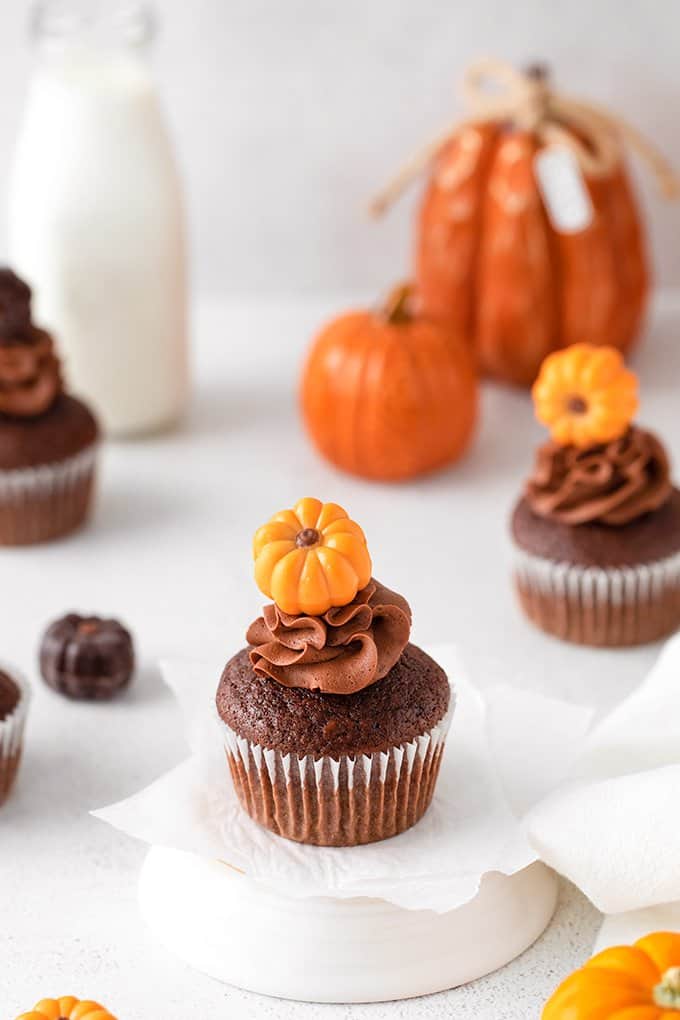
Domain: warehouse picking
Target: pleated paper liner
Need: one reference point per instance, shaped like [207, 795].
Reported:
[344, 801]
[606, 607]
[41, 503]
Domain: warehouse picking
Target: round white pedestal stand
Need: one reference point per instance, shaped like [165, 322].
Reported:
[331, 950]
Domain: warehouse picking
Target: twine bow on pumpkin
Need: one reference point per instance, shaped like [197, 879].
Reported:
[496, 91]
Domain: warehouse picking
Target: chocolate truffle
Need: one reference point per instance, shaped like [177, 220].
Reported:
[87, 657]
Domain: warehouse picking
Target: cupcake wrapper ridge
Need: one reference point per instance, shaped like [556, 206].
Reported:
[601, 606]
[44, 502]
[343, 801]
[12, 734]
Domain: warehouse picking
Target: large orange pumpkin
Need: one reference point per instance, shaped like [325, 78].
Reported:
[638, 982]
[389, 395]
[489, 260]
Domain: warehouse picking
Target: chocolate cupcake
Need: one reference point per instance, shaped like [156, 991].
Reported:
[14, 699]
[86, 657]
[48, 440]
[333, 723]
[597, 530]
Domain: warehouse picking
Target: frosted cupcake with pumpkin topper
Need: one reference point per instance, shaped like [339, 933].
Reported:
[598, 527]
[48, 439]
[334, 724]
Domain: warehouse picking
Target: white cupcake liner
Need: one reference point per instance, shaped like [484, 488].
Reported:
[341, 801]
[608, 606]
[12, 731]
[47, 500]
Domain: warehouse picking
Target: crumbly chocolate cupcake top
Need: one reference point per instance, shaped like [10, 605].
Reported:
[87, 657]
[331, 627]
[10, 696]
[599, 468]
[409, 701]
[30, 373]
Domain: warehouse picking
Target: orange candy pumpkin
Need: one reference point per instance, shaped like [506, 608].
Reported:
[311, 558]
[489, 260]
[638, 982]
[389, 395]
[585, 395]
[67, 1008]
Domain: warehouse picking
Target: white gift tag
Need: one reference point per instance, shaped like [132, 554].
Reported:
[563, 189]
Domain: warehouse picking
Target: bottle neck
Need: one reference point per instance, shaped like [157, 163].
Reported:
[92, 28]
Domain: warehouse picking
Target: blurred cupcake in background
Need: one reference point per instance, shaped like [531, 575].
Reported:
[597, 530]
[14, 699]
[48, 439]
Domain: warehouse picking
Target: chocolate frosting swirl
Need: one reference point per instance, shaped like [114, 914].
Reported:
[30, 377]
[612, 483]
[348, 648]
[15, 308]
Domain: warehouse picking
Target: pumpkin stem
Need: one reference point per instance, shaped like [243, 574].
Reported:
[398, 308]
[307, 537]
[667, 992]
[537, 72]
[577, 405]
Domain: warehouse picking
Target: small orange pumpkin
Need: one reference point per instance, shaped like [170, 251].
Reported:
[389, 395]
[585, 395]
[638, 982]
[67, 1008]
[311, 558]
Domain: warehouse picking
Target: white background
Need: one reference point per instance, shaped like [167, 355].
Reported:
[288, 114]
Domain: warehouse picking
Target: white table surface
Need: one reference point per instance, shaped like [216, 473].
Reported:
[169, 553]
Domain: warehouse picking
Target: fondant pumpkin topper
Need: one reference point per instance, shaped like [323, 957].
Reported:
[67, 1008]
[585, 395]
[311, 558]
[639, 981]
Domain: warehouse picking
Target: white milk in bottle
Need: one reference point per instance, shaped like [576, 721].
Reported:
[95, 215]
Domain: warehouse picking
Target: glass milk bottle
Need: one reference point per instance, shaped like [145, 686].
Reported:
[95, 213]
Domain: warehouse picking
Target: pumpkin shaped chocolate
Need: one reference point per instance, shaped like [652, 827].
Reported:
[87, 657]
[311, 558]
[638, 982]
[389, 395]
[67, 1007]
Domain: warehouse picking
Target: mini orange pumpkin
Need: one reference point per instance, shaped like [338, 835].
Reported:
[67, 1008]
[638, 982]
[389, 395]
[585, 395]
[311, 558]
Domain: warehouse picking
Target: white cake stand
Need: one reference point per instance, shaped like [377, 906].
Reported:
[334, 950]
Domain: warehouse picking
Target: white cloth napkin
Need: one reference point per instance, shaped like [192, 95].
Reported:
[470, 829]
[613, 827]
